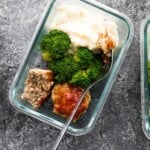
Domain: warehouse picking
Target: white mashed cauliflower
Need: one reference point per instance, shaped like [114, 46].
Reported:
[86, 28]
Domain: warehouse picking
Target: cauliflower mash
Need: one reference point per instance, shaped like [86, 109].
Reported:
[86, 28]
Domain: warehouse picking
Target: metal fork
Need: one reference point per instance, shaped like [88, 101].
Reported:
[107, 67]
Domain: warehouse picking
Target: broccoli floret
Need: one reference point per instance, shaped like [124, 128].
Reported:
[46, 56]
[60, 78]
[64, 68]
[84, 78]
[94, 70]
[81, 79]
[56, 43]
[83, 57]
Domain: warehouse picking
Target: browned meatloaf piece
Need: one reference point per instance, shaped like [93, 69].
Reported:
[37, 86]
[65, 97]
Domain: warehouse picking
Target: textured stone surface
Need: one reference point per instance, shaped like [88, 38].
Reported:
[118, 127]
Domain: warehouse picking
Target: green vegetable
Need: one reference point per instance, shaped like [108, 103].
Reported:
[64, 68]
[46, 56]
[81, 79]
[84, 78]
[69, 70]
[83, 56]
[80, 68]
[56, 43]
[94, 70]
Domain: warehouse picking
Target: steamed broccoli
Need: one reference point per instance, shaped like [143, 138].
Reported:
[46, 56]
[56, 43]
[68, 70]
[80, 78]
[64, 68]
[83, 56]
[84, 78]
[80, 68]
[94, 70]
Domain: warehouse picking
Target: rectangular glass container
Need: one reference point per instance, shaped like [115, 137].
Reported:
[99, 92]
[145, 80]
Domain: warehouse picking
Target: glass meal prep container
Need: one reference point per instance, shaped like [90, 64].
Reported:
[99, 92]
[145, 75]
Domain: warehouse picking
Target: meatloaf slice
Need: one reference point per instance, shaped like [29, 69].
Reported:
[37, 86]
[65, 97]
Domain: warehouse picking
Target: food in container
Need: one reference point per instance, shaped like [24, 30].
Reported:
[86, 28]
[34, 59]
[65, 96]
[37, 86]
[78, 34]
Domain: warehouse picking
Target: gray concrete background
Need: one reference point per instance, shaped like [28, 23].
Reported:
[118, 127]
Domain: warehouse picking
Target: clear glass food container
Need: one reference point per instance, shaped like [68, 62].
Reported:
[99, 92]
[145, 80]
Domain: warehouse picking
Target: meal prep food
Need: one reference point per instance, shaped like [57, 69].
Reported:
[37, 87]
[75, 49]
[86, 28]
[65, 96]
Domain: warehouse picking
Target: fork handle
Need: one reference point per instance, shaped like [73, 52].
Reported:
[63, 131]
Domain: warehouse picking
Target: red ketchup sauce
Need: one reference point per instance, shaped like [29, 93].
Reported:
[68, 100]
